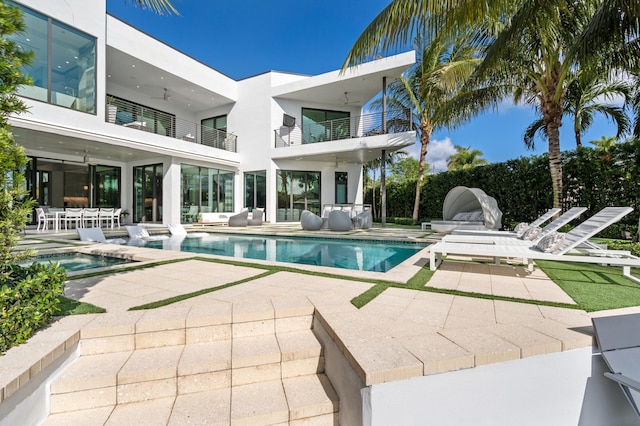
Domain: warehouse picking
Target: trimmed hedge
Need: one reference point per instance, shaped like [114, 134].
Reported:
[29, 301]
[522, 187]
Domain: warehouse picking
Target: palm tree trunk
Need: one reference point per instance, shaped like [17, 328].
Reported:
[552, 115]
[425, 138]
[578, 138]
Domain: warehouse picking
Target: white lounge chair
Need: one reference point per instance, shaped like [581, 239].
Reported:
[554, 225]
[503, 237]
[139, 232]
[619, 340]
[97, 236]
[177, 230]
[577, 236]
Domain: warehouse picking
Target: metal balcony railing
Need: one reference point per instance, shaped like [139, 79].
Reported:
[344, 128]
[139, 117]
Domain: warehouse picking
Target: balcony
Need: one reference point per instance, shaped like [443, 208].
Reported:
[134, 116]
[397, 121]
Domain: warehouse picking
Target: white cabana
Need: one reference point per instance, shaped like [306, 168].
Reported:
[468, 208]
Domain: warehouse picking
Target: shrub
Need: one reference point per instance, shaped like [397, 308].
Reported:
[29, 300]
[634, 248]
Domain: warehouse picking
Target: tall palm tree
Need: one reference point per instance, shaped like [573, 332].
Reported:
[465, 158]
[442, 67]
[161, 7]
[584, 98]
[605, 143]
[534, 46]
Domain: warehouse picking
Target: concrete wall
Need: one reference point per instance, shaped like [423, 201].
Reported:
[566, 388]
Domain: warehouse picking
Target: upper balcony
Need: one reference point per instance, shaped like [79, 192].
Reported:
[135, 116]
[368, 125]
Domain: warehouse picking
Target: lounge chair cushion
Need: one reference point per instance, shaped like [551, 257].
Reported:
[240, 219]
[551, 242]
[520, 228]
[531, 233]
[339, 221]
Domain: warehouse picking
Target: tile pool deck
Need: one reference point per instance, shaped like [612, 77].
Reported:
[402, 333]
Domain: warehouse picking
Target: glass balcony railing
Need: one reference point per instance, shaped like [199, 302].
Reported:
[344, 128]
[139, 117]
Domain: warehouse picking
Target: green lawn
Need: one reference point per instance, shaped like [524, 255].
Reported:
[594, 287]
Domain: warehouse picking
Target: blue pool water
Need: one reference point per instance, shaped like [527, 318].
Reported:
[348, 254]
[77, 261]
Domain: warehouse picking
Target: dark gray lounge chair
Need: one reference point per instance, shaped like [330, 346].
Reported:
[256, 218]
[240, 219]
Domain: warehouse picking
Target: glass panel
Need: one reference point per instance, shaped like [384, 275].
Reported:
[321, 125]
[190, 192]
[147, 198]
[205, 190]
[107, 181]
[34, 39]
[284, 183]
[249, 191]
[73, 77]
[225, 191]
[213, 131]
[312, 193]
[341, 187]
[297, 191]
[261, 189]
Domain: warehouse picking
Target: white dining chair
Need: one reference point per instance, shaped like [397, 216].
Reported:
[107, 216]
[90, 216]
[116, 217]
[73, 215]
[43, 219]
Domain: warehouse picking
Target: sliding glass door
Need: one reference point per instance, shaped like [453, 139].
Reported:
[297, 191]
[147, 193]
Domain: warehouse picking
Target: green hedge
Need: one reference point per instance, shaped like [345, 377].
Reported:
[28, 301]
[522, 187]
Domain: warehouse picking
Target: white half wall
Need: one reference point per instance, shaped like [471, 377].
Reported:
[565, 388]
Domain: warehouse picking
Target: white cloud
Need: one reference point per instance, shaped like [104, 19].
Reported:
[438, 152]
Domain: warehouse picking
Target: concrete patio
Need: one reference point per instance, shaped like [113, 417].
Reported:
[293, 337]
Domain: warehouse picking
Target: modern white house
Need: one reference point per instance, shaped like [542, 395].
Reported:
[120, 119]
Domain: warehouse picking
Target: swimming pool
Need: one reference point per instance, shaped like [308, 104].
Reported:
[73, 261]
[362, 255]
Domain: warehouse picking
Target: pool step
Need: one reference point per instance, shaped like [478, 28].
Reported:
[253, 377]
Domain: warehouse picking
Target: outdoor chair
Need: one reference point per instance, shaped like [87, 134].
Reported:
[106, 216]
[339, 221]
[618, 338]
[177, 230]
[256, 218]
[43, 219]
[552, 246]
[97, 236]
[139, 232]
[72, 215]
[502, 237]
[310, 221]
[240, 219]
[90, 216]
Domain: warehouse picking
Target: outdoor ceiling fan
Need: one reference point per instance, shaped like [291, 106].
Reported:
[347, 101]
[165, 96]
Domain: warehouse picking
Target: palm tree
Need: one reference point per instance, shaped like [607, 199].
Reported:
[535, 44]
[605, 143]
[161, 7]
[441, 68]
[465, 158]
[371, 167]
[583, 100]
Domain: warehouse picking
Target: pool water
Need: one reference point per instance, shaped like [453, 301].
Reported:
[348, 254]
[77, 261]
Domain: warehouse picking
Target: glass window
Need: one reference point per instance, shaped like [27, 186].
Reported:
[255, 190]
[297, 191]
[147, 193]
[321, 125]
[64, 65]
[341, 187]
[205, 190]
[214, 131]
[107, 186]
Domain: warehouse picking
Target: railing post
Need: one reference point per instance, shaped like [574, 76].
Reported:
[384, 105]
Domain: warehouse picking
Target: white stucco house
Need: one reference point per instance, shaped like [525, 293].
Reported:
[120, 119]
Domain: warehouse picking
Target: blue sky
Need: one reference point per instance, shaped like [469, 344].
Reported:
[241, 38]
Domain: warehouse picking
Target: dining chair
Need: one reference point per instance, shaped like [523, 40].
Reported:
[107, 216]
[73, 215]
[90, 215]
[43, 219]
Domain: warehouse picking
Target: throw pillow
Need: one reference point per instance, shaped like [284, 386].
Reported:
[477, 216]
[520, 228]
[551, 242]
[531, 233]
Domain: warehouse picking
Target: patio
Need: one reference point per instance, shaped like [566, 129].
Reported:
[402, 334]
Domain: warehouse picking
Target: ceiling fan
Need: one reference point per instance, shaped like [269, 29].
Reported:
[165, 96]
[346, 100]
